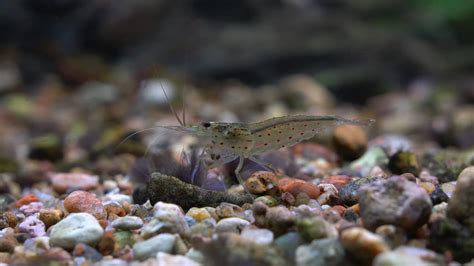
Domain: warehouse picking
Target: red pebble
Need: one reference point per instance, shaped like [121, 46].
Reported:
[27, 199]
[83, 201]
[297, 186]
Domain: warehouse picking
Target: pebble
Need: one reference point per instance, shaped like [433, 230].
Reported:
[461, 204]
[394, 201]
[113, 208]
[50, 216]
[8, 242]
[297, 186]
[31, 208]
[127, 223]
[372, 157]
[76, 228]
[168, 259]
[279, 219]
[404, 162]
[393, 236]
[321, 252]
[349, 193]
[198, 214]
[259, 236]
[86, 251]
[329, 191]
[62, 182]
[25, 200]
[106, 244]
[267, 200]
[33, 226]
[337, 180]
[363, 244]
[449, 188]
[83, 201]
[232, 225]
[315, 228]
[227, 210]
[288, 243]
[408, 255]
[149, 248]
[350, 141]
[262, 182]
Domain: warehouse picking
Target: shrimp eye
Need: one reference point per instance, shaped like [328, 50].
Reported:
[206, 124]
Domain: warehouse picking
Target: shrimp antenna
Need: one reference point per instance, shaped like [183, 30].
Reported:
[171, 106]
[184, 104]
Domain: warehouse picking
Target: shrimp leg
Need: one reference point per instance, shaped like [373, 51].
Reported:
[237, 172]
[264, 164]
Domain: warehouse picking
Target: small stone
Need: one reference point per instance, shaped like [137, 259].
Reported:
[296, 186]
[438, 196]
[349, 193]
[279, 219]
[427, 186]
[262, 182]
[114, 208]
[227, 210]
[106, 244]
[315, 228]
[121, 239]
[337, 180]
[167, 259]
[321, 252]
[461, 204]
[233, 225]
[50, 216]
[31, 208]
[363, 244]
[83, 201]
[288, 199]
[350, 141]
[149, 248]
[33, 226]
[404, 162]
[394, 201]
[393, 236]
[87, 252]
[259, 236]
[267, 200]
[8, 242]
[448, 236]
[62, 182]
[127, 223]
[449, 188]
[329, 191]
[25, 200]
[198, 214]
[204, 229]
[373, 157]
[76, 228]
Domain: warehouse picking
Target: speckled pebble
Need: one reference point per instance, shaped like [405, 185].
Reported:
[33, 226]
[50, 216]
[83, 201]
[262, 182]
[31, 208]
[297, 186]
[259, 236]
[63, 182]
[127, 223]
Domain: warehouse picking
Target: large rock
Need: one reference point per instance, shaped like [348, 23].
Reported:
[76, 228]
[461, 204]
[394, 201]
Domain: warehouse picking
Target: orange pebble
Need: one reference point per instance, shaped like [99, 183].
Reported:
[297, 186]
[27, 199]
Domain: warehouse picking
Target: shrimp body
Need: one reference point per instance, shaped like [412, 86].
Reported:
[226, 142]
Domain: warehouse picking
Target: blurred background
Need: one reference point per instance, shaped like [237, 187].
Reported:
[76, 76]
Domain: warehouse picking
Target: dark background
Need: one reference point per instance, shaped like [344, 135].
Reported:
[356, 48]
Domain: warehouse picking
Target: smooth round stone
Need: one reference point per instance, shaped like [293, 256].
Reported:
[363, 244]
[65, 181]
[76, 228]
[408, 255]
[234, 225]
[259, 236]
[127, 223]
[149, 248]
[198, 214]
[33, 226]
[83, 201]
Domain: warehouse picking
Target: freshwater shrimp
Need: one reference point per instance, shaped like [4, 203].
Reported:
[225, 142]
